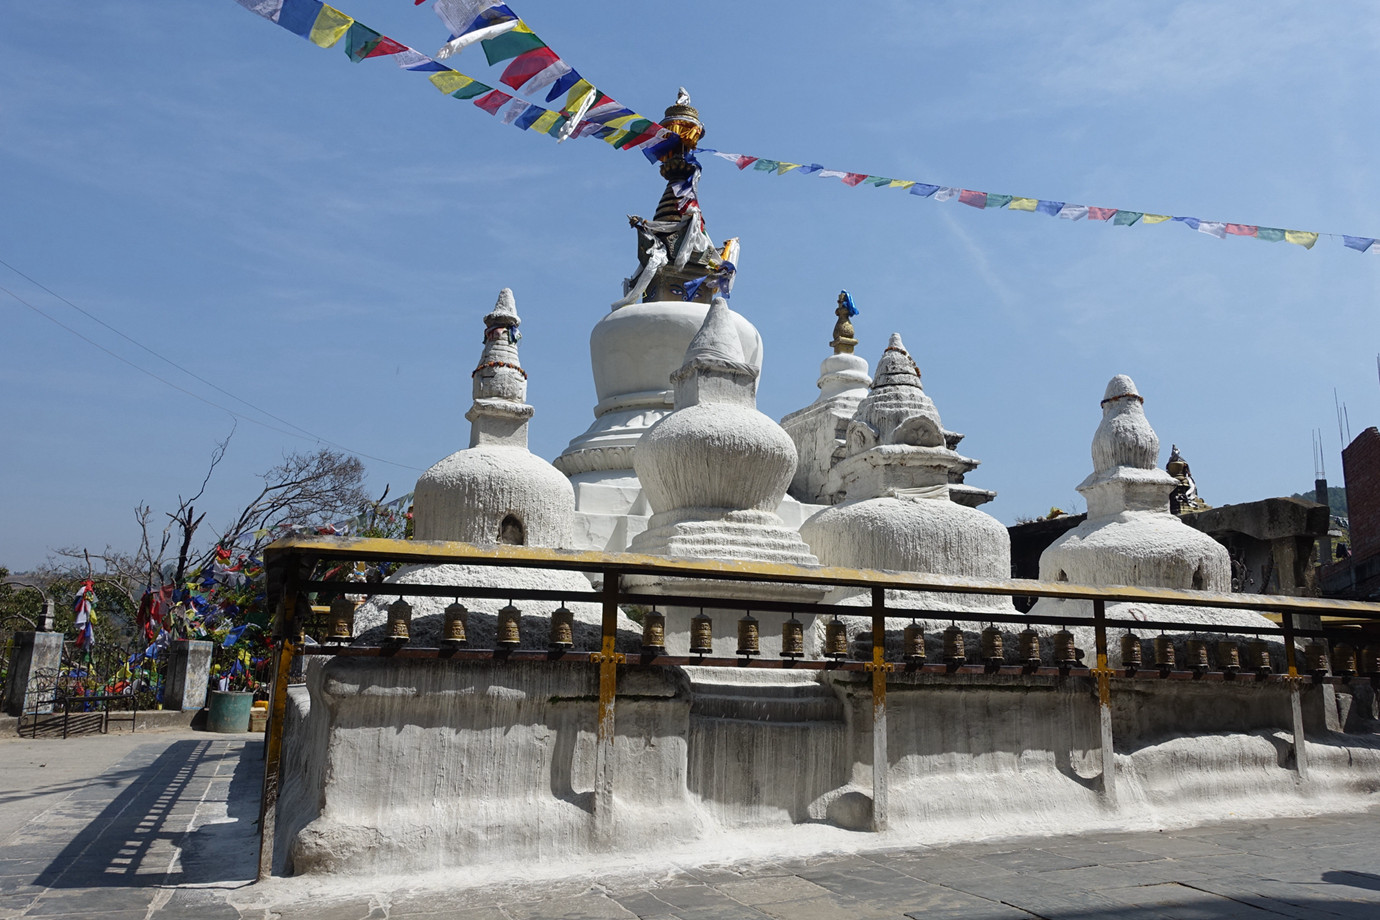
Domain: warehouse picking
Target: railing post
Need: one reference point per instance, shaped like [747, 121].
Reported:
[1295, 703]
[1104, 704]
[608, 660]
[288, 625]
[879, 668]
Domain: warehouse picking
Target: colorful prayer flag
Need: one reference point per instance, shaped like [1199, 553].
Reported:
[510, 44]
[901, 183]
[923, 190]
[1052, 208]
[1240, 229]
[491, 102]
[1154, 218]
[765, 165]
[1268, 234]
[1101, 213]
[1358, 243]
[529, 116]
[330, 26]
[1213, 228]
[1126, 218]
[973, 198]
[945, 193]
[1073, 211]
[1023, 204]
[744, 162]
[1300, 238]
[268, 9]
[783, 168]
[299, 16]
[534, 70]
[852, 179]
[998, 201]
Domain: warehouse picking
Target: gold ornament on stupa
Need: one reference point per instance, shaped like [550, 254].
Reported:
[844, 341]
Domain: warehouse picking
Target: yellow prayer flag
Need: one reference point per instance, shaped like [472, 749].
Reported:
[1022, 204]
[577, 95]
[1155, 218]
[617, 138]
[448, 81]
[522, 27]
[620, 121]
[330, 26]
[1300, 238]
[783, 167]
[900, 183]
[544, 123]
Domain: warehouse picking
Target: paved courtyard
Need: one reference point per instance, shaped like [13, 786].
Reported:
[163, 825]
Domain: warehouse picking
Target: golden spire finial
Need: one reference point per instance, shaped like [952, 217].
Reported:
[844, 342]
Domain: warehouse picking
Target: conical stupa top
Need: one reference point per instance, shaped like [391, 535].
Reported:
[1124, 438]
[717, 339]
[897, 367]
[500, 374]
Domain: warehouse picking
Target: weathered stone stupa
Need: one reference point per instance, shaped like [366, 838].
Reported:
[896, 511]
[1130, 537]
[494, 491]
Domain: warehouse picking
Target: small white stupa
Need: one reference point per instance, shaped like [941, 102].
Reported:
[897, 512]
[818, 430]
[493, 492]
[1130, 537]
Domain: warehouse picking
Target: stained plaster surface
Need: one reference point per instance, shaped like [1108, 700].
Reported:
[156, 826]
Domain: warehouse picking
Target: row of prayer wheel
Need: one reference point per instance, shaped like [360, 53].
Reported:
[1230, 655]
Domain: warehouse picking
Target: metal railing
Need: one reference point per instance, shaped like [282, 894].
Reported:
[291, 562]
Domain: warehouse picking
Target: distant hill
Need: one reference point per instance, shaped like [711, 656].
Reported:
[1336, 499]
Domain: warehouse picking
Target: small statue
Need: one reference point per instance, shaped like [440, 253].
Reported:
[844, 342]
[1184, 498]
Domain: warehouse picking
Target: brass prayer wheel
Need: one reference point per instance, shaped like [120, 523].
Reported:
[701, 635]
[1258, 656]
[792, 638]
[654, 633]
[992, 650]
[1065, 649]
[1197, 655]
[748, 636]
[509, 630]
[1029, 647]
[455, 621]
[1315, 658]
[1164, 653]
[954, 650]
[342, 618]
[1343, 660]
[1228, 656]
[562, 628]
[399, 619]
[1131, 652]
[835, 639]
[913, 642]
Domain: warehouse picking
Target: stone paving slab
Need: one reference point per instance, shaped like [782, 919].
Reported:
[165, 827]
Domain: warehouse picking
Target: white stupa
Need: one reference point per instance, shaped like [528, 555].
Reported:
[493, 492]
[897, 512]
[1130, 537]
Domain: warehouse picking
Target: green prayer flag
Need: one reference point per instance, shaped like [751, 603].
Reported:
[510, 44]
[359, 41]
[1269, 234]
[472, 90]
[1127, 218]
[877, 181]
[766, 165]
[998, 201]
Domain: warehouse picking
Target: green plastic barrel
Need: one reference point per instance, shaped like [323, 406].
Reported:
[229, 711]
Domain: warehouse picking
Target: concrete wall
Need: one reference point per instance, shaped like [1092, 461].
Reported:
[414, 766]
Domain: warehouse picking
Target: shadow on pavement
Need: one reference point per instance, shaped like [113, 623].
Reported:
[184, 820]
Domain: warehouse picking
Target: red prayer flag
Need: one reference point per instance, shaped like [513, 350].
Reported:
[385, 45]
[1241, 229]
[527, 65]
[1101, 213]
[972, 198]
[745, 162]
[853, 179]
[492, 101]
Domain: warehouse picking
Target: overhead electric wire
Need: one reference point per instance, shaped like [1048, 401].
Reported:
[300, 433]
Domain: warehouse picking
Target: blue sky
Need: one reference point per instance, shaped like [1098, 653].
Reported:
[321, 238]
